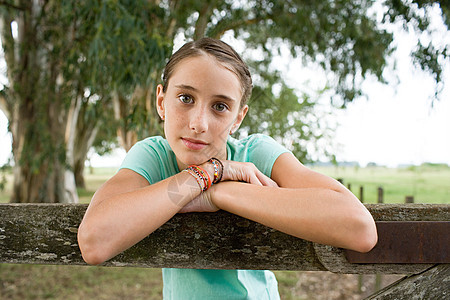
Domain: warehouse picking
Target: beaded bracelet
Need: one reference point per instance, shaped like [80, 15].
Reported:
[200, 175]
[197, 177]
[218, 169]
[204, 175]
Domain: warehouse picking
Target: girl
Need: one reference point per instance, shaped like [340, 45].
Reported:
[198, 167]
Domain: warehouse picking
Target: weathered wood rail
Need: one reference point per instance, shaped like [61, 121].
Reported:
[47, 234]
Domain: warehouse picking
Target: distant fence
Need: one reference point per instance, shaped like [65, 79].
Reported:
[413, 239]
[380, 193]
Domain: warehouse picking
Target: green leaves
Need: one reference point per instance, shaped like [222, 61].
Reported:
[67, 49]
[124, 49]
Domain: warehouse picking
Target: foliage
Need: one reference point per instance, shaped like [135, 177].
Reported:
[429, 55]
[124, 49]
[96, 64]
[338, 35]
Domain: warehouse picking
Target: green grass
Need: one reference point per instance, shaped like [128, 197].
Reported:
[23, 282]
[425, 184]
[78, 282]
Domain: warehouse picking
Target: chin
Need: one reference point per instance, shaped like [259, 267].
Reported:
[192, 158]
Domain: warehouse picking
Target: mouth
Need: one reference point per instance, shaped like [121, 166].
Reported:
[194, 144]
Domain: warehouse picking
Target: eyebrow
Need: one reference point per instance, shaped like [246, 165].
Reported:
[188, 87]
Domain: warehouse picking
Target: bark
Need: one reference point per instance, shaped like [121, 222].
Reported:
[122, 109]
[36, 110]
[203, 19]
[137, 109]
[87, 129]
[40, 233]
[430, 284]
[85, 140]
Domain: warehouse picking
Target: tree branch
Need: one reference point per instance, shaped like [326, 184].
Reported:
[8, 46]
[203, 17]
[10, 5]
[223, 26]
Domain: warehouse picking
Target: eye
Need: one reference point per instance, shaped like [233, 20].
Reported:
[185, 98]
[220, 106]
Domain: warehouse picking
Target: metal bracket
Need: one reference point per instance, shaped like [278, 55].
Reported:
[407, 242]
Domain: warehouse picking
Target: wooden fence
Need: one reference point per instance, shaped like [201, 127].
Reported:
[47, 234]
[380, 193]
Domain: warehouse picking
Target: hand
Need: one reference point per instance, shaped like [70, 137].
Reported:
[247, 172]
[201, 203]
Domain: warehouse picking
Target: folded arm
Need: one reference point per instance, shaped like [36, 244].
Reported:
[126, 209]
[306, 204]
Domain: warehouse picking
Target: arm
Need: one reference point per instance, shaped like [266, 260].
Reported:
[307, 205]
[126, 209]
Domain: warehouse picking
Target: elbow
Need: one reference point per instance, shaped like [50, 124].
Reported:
[90, 250]
[367, 243]
[366, 236]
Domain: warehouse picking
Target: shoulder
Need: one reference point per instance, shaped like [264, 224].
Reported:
[154, 142]
[251, 141]
[151, 158]
[260, 149]
[152, 146]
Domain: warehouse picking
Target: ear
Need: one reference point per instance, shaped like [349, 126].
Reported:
[239, 119]
[160, 101]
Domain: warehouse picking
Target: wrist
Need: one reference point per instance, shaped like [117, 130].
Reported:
[209, 168]
[215, 169]
[219, 194]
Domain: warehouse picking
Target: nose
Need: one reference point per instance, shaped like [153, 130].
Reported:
[198, 120]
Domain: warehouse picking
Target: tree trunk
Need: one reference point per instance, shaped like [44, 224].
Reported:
[39, 175]
[126, 136]
[36, 107]
[83, 142]
[138, 109]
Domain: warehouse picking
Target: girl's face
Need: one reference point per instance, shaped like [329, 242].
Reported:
[201, 106]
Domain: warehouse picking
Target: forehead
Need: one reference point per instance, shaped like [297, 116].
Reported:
[205, 73]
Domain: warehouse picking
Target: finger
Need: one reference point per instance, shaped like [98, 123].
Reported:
[266, 181]
[255, 180]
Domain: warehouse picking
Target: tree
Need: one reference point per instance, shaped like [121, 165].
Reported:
[49, 102]
[347, 42]
[37, 98]
[74, 63]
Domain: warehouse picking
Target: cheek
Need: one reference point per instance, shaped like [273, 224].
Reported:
[223, 128]
[173, 117]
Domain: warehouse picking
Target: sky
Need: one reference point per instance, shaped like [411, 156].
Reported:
[394, 125]
[398, 124]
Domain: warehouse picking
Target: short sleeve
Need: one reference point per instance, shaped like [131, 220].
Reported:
[264, 151]
[151, 158]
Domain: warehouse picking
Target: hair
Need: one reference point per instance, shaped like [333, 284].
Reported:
[221, 51]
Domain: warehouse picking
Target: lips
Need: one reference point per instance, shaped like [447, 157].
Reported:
[194, 144]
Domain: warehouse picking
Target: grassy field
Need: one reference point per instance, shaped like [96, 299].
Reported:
[426, 184]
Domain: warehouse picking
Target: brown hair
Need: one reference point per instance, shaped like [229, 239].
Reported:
[222, 52]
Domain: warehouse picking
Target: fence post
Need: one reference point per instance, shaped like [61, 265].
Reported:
[380, 195]
[361, 194]
[378, 276]
[409, 199]
[360, 276]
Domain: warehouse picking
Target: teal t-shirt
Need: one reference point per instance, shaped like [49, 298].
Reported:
[155, 161]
